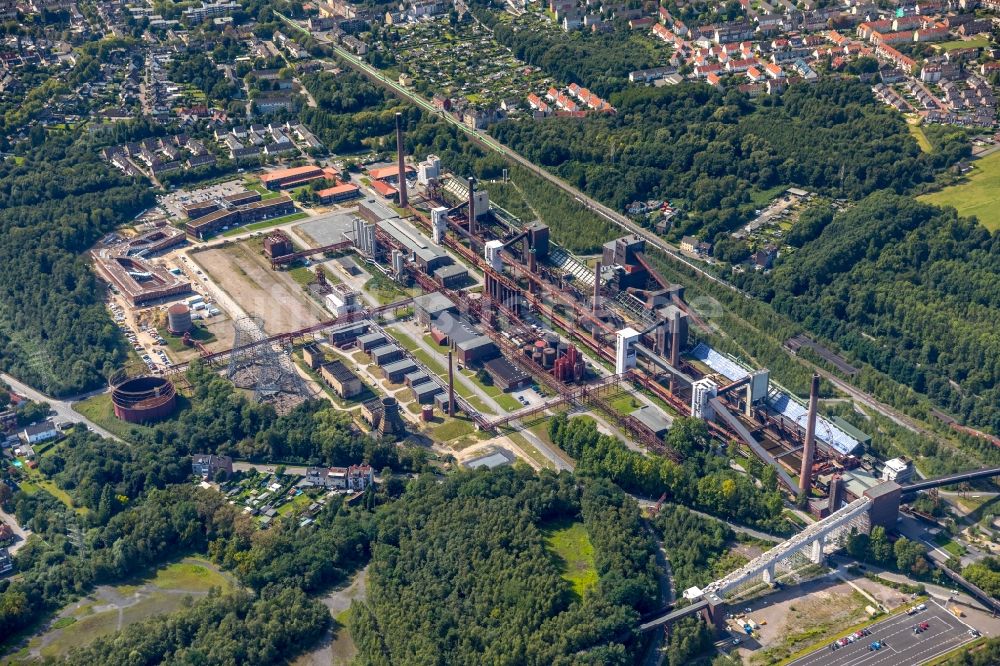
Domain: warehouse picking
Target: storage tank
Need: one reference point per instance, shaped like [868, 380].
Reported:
[178, 319]
[427, 413]
[537, 357]
[548, 357]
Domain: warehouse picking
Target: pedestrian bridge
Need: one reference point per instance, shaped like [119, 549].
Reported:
[809, 545]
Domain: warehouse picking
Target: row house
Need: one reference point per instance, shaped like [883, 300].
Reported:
[934, 34]
[878, 38]
[901, 61]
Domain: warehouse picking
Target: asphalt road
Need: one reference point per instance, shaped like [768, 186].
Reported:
[902, 647]
[63, 408]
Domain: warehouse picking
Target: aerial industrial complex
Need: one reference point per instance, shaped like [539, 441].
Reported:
[471, 290]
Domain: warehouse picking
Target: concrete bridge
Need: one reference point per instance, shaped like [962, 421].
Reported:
[878, 506]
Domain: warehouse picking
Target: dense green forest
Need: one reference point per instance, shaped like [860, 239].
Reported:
[693, 544]
[987, 655]
[703, 480]
[706, 151]
[282, 565]
[460, 568]
[986, 574]
[910, 289]
[104, 476]
[54, 331]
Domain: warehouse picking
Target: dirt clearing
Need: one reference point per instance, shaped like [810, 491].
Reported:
[248, 279]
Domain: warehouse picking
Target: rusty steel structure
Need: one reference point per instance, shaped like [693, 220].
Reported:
[339, 246]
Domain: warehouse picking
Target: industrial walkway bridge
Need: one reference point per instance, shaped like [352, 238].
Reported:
[960, 477]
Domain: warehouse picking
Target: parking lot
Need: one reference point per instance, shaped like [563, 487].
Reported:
[900, 644]
[175, 201]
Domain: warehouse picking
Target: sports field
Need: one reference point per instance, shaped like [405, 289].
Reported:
[978, 194]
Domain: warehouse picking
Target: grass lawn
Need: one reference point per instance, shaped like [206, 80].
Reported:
[302, 275]
[625, 403]
[530, 449]
[266, 224]
[918, 133]
[175, 343]
[452, 428]
[298, 502]
[505, 400]
[569, 543]
[978, 195]
[947, 545]
[100, 410]
[978, 43]
[189, 575]
[384, 289]
[761, 198]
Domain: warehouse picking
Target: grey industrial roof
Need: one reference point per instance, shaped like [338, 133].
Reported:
[652, 418]
[506, 370]
[427, 387]
[474, 343]
[375, 336]
[340, 371]
[433, 303]
[417, 377]
[384, 349]
[453, 270]
[403, 365]
[408, 236]
[381, 210]
[457, 329]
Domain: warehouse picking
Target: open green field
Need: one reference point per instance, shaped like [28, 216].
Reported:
[761, 198]
[918, 133]
[100, 410]
[977, 43]
[978, 194]
[110, 608]
[452, 429]
[570, 545]
[302, 275]
[266, 224]
[384, 289]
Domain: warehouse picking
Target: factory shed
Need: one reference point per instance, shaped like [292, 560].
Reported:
[386, 354]
[506, 376]
[397, 370]
[653, 419]
[426, 392]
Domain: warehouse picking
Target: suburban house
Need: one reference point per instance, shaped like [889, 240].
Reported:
[207, 465]
[40, 432]
[355, 477]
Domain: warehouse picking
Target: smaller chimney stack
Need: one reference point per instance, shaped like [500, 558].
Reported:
[596, 305]
[472, 205]
[451, 385]
[401, 157]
